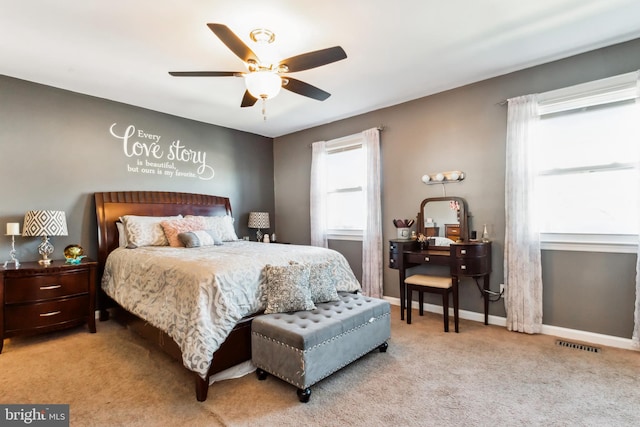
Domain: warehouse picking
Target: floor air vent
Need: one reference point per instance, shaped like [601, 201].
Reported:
[578, 346]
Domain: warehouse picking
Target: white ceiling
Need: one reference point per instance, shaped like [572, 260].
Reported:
[397, 50]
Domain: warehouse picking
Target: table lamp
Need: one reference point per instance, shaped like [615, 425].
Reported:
[44, 224]
[259, 220]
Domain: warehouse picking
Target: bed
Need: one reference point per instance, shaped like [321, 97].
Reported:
[195, 303]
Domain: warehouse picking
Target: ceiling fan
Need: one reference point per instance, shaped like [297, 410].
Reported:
[263, 81]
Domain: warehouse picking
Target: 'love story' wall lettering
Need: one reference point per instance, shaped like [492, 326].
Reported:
[152, 158]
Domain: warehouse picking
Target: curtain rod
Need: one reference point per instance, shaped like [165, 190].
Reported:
[379, 128]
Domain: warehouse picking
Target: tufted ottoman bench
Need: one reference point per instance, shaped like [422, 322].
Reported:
[306, 346]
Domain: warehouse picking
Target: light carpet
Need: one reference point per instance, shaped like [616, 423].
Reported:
[483, 376]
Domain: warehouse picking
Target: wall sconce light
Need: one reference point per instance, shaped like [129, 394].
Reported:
[443, 177]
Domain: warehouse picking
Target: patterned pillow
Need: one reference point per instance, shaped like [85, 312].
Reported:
[222, 225]
[288, 288]
[198, 238]
[321, 283]
[173, 227]
[145, 230]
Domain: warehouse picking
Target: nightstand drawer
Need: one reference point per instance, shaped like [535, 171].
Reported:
[45, 314]
[45, 287]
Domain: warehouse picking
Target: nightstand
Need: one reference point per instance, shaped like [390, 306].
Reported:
[36, 299]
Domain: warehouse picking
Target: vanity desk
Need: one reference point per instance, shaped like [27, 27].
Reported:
[465, 258]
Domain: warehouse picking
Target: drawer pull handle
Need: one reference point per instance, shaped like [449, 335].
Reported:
[47, 288]
[51, 313]
[463, 267]
[463, 251]
[426, 258]
[392, 261]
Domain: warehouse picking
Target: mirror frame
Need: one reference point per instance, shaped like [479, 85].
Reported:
[463, 214]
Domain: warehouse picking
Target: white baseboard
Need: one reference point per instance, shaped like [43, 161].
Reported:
[572, 334]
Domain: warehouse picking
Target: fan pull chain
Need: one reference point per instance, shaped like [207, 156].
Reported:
[264, 109]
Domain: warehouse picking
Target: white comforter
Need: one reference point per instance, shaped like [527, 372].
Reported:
[198, 295]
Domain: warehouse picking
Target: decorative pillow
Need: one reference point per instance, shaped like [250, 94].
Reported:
[145, 230]
[122, 236]
[288, 288]
[321, 284]
[173, 227]
[195, 239]
[222, 225]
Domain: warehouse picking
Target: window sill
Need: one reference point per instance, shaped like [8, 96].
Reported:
[345, 235]
[589, 243]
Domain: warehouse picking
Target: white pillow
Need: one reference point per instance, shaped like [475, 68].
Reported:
[122, 236]
[221, 225]
[145, 230]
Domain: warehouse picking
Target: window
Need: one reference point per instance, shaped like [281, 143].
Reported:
[345, 180]
[587, 151]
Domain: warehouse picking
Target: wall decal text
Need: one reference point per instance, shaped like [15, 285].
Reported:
[153, 158]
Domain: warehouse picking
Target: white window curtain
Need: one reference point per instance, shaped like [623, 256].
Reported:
[372, 233]
[522, 260]
[318, 195]
[635, 338]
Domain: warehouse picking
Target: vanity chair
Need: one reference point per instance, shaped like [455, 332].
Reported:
[433, 284]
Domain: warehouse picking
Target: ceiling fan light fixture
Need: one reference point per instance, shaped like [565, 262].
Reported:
[262, 35]
[263, 84]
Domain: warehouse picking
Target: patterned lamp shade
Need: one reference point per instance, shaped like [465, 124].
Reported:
[259, 220]
[44, 223]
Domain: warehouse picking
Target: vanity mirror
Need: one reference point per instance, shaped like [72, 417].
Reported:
[443, 217]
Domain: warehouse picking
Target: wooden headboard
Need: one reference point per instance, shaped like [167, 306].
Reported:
[110, 206]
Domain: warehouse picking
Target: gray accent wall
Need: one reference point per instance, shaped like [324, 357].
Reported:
[56, 150]
[464, 129]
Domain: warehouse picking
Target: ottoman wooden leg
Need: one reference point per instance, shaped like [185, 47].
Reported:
[304, 394]
[262, 374]
[383, 347]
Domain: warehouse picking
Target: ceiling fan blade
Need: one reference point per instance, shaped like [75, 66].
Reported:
[314, 59]
[233, 42]
[205, 73]
[248, 100]
[304, 89]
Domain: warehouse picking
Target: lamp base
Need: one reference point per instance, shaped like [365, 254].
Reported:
[259, 235]
[45, 249]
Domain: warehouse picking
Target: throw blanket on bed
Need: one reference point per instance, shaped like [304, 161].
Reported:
[197, 295]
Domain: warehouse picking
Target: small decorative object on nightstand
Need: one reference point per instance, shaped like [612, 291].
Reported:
[41, 298]
[13, 230]
[45, 224]
[73, 254]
